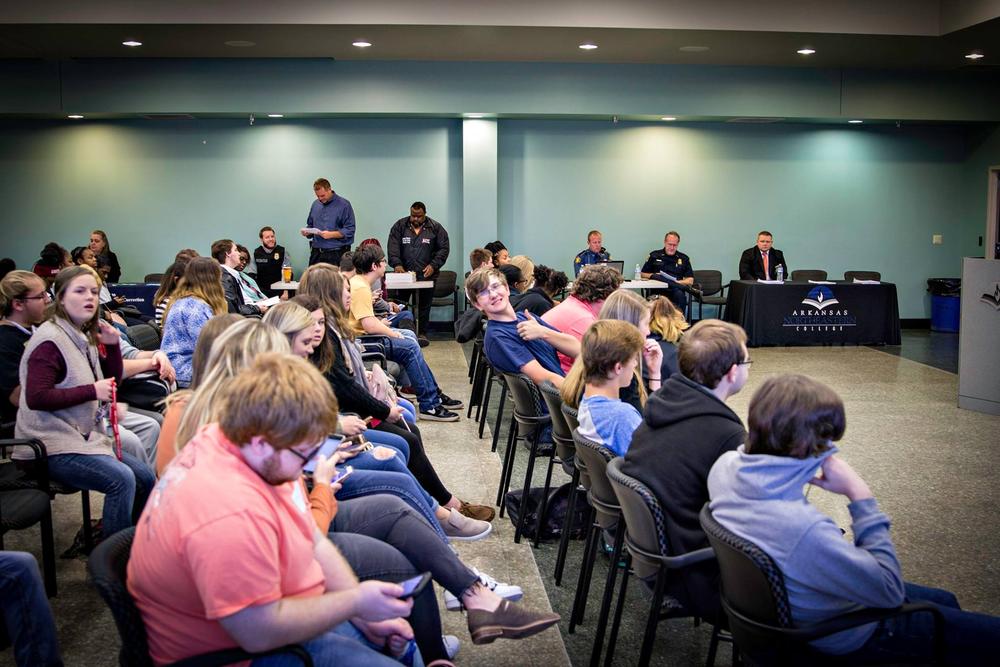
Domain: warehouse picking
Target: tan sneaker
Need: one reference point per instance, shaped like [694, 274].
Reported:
[462, 528]
[478, 512]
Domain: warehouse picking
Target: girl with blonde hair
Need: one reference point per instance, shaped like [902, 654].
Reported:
[666, 326]
[198, 297]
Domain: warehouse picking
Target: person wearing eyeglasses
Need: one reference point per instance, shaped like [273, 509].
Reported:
[23, 298]
[686, 427]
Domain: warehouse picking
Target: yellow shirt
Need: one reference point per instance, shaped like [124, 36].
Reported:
[361, 303]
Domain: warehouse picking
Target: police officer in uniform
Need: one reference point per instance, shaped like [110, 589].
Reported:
[268, 258]
[594, 254]
[673, 263]
[420, 244]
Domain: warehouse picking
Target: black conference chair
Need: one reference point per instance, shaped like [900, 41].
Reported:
[562, 436]
[756, 603]
[648, 555]
[808, 274]
[153, 277]
[144, 336]
[850, 276]
[607, 515]
[446, 292]
[107, 567]
[527, 423]
[25, 502]
[713, 292]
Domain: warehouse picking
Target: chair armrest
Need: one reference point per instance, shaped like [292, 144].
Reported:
[861, 617]
[690, 558]
[40, 462]
[231, 655]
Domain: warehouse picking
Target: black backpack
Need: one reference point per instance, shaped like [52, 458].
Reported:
[554, 520]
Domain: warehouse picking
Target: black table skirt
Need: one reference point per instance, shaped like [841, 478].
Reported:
[798, 313]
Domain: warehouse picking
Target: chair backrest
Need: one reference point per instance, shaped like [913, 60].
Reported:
[524, 393]
[107, 567]
[571, 415]
[153, 277]
[445, 284]
[596, 457]
[143, 336]
[710, 281]
[862, 275]
[562, 434]
[647, 526]
[752, 585]
[808, 274]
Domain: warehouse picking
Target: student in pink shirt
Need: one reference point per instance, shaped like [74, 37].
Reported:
[579, 310]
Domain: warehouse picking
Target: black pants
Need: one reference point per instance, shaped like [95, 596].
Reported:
[421, 467]
[327, 255]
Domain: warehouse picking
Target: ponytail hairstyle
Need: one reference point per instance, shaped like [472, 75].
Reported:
[667, 320]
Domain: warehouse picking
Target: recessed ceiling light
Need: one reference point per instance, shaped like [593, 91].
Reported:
[74, 116]
[806, 52]
[361, 44]
[693, 49]
[275, 115]
[240, 43]
[131, 42]
[855, 122]
[668, 118]
[588, 46]
[974, 56]
[475, 115]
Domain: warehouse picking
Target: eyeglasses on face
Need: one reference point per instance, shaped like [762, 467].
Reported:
[747, 362]
[310, 455]
[494, 288]
[44, 296]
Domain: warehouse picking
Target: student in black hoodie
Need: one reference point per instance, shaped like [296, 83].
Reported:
[686, 427]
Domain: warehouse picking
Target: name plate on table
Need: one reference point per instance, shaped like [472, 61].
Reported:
[400, 279]
[139, 295]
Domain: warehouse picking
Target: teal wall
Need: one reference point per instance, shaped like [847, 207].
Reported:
[156, 187]
[835, 197]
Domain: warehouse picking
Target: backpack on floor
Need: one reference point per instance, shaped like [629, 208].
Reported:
[555, 512]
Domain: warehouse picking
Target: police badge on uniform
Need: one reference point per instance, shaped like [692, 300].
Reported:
[275, 256]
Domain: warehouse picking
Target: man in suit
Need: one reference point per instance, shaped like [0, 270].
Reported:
[762, 261]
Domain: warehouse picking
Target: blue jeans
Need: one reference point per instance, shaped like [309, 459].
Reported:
[397, 442]
[343, 646]
[970, 638]
[27, 616]
[410, 412]
[400, 317]
[125, 484]
[391, 476]
[406, 352]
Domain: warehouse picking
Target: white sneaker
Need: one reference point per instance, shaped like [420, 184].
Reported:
[506, 591]
[451, 645]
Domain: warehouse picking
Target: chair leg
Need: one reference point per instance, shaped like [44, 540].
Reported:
[654, 617]
[484, 404]
[474, 362]
[713, 647]
[499, 419]
[48, 553]
[583, 583]
[475, 398]
[545, 500]
[609, 593]
[527, 488]
[616, 624]
[88, 533]
[564, 538]
[508, 463]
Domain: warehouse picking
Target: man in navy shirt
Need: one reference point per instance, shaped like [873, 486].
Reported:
[670, 266]
[594, 254]
[330, 226]
[516, 342]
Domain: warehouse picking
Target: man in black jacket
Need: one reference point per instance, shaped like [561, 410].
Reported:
[420, 244]
[686, 427]
[268, 258]
[762, 261]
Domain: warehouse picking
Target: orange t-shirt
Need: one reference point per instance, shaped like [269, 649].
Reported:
[215, 539]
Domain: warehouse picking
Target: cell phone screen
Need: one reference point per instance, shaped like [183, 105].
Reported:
[414, 585]
[329, 447]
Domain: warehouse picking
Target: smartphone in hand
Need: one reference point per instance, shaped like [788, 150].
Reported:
[413, 587]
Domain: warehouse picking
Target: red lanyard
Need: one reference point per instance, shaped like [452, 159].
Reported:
[113, 408]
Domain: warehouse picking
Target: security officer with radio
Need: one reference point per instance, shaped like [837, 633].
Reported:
[420, 244]
[670, 266]
[594, 254]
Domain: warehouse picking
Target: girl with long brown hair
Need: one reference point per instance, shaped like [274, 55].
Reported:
[198, 297]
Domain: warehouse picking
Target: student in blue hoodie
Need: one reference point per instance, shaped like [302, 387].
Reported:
[757, 493]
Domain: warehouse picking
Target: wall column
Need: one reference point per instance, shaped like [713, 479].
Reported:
[479, 186]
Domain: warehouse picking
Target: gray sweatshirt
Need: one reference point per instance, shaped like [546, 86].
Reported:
[760, 498]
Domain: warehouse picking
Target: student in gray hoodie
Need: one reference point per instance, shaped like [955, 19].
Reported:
[757, 493]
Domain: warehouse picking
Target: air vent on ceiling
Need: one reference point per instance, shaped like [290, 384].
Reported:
[755, 120]
[168, 116]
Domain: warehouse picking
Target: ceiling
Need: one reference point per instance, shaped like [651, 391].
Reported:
[884, 34]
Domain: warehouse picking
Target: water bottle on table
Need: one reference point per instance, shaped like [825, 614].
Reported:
[781, 273]
[638, 272]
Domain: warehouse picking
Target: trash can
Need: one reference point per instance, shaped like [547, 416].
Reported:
[946, 303]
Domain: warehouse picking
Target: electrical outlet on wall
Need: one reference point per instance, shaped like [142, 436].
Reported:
[937, 239]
